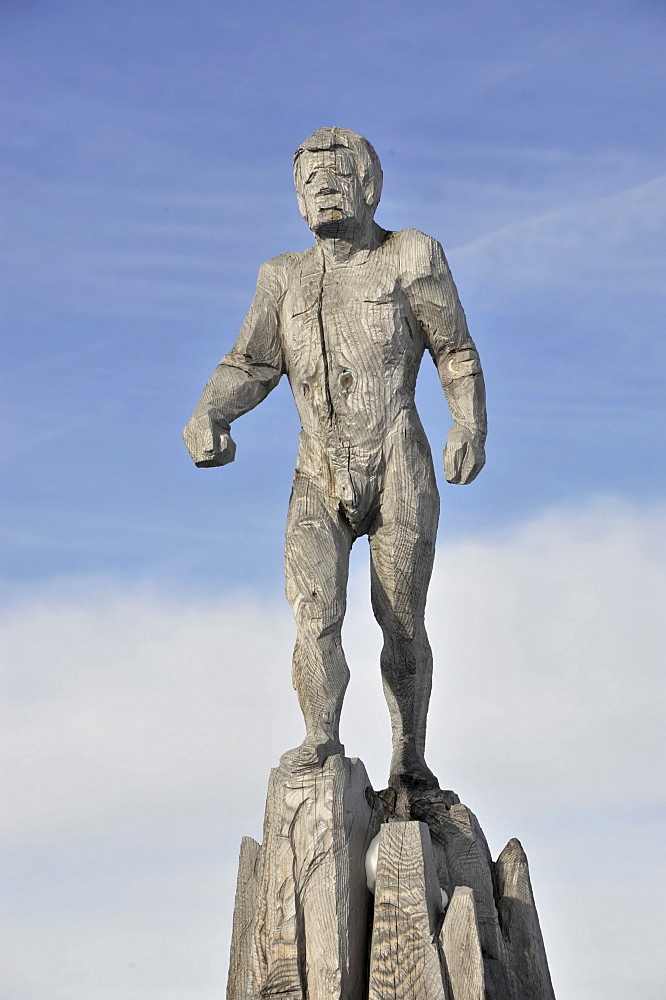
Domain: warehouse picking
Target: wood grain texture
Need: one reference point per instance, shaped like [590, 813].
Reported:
[348, 321]
[461, 948]
[456, 830]
[405, 962]
[277, 952]
[302, 925]
[520, 924]
[463, 859]
[311, 928]
[238, 982]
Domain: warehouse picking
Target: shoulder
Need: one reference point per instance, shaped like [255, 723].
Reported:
[413, 243]
[421, 256]
[283, 260]
[276, 272]
[415, 238]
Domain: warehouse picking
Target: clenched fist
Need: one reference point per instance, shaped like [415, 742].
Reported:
[464, 455]
[208, 440]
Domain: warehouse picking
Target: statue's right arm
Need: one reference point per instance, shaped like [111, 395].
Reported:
[242, 379]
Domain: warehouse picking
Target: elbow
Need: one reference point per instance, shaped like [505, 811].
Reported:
[460, 363]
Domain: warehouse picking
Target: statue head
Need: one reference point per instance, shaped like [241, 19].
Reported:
[338, 179]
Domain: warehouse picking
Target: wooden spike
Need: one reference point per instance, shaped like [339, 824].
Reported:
[461, 947]
[520, 924]
[244, 913]
[405, 959]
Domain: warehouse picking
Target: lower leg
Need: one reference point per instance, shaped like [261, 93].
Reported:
[402, 548]
[406, 664]
[316, 562]
[320, 677]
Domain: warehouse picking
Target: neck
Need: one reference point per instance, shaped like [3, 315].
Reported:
[341, 240]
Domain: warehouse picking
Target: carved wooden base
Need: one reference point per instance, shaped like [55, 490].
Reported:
[306, 927]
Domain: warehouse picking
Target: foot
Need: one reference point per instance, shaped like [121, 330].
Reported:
[410, 781]
[431, 806]
[410, 771]
[311, 755]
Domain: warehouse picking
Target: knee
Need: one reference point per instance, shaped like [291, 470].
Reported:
[399, 619]
[315, 614]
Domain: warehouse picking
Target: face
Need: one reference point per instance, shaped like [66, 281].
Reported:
[330, 190]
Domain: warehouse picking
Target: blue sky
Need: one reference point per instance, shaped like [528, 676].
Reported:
[146, 174]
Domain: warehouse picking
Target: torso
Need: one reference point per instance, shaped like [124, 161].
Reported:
[353, 350]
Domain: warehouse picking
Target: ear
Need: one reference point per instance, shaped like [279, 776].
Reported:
[299, 195]
[369, 184]
[368, 194]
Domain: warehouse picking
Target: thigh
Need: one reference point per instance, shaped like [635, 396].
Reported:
[317, 545]
[402, 540]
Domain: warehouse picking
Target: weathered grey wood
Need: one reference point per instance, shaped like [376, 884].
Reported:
[310, 936]
[348, 321]
[311, 929]
[238, 983]
[469, 863]
[277, 967]
[405, 961]
[520, 924]
[461, 947]
[463, 859]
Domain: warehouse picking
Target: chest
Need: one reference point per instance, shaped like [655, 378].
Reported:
[353, 313]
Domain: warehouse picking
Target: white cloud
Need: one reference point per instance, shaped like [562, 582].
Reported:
[140, 729]
[135, 701]
[560, 643]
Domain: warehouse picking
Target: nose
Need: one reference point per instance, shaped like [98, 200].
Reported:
[327, 183]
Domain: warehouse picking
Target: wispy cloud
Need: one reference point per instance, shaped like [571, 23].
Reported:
[582, 245]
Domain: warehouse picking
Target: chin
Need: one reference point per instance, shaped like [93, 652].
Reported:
[331, 219]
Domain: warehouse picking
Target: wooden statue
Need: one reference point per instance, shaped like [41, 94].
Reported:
[348, 322]
[353, 894]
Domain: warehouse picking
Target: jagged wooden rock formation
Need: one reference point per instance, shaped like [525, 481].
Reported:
[306, 927]
[302, 906]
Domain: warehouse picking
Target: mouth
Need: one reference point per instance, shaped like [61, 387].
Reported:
[332, 212]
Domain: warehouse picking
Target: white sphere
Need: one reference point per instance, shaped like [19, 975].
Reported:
[371, 864]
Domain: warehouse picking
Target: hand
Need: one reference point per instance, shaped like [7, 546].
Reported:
[208, 442]
[464, 455]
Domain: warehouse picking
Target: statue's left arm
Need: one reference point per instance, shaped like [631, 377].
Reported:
[243, 378]
[433, 298]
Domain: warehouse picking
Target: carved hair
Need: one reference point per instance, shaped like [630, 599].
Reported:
[367, 162]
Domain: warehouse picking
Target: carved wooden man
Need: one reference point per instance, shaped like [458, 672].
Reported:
[348, 321]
